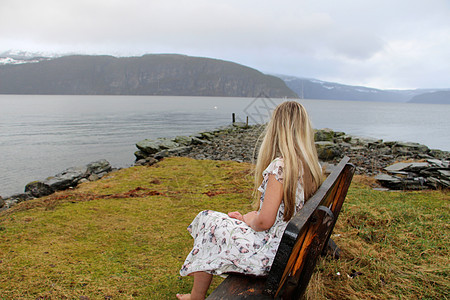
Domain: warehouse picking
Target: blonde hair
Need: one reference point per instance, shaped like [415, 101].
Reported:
[289, 135]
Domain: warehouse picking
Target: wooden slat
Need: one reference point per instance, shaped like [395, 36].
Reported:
[240, 287]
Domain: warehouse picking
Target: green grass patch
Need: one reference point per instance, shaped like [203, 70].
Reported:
[124, 237]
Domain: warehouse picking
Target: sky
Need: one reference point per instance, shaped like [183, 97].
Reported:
[387, 44]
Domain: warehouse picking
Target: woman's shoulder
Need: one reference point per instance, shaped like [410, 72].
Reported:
[275, 167]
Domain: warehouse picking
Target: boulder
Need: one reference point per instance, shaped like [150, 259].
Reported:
[140, 155]
[439, 154]
[404, 148]
[38, 189]
[148, 146]
[433, 173]
[153, 146]
[207, 135]
[324, 135]
[172, 152]
[2, 202]
[16, 198]
[183, 140]
[389, 181]
[328, 150]
[66, 179]
[165, 143]
[197, 141]
[98, 167]
[92, 177]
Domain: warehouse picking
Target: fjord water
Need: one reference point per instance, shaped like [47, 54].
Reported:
[43, 135]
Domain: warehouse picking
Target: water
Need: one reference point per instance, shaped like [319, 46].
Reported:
[43, 135]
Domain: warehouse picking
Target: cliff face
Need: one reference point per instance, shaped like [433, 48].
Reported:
[156, 74]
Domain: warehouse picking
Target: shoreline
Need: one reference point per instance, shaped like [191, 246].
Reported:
[237, 142]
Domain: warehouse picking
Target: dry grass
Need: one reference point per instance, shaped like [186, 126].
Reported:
[124, 237]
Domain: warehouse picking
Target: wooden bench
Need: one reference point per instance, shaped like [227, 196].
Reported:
[303, 241]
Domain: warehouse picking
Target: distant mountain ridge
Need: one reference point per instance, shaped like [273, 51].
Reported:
[437, 97]
[308, 88]
[180, 75]
[152, 74]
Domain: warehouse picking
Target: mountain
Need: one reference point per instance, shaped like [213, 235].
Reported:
[439, 97]
[22, 57]
[308, 88]
[153, 74]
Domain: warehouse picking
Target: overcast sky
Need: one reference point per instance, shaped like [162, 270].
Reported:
[375, 43]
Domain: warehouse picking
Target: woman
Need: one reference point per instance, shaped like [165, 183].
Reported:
[289, 168]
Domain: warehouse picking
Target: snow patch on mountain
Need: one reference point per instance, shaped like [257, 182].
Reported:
[16, 57]
[12, 61]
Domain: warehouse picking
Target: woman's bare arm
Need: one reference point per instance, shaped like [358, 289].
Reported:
[267, 215]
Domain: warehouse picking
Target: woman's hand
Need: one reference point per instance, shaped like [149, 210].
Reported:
[236, 215]
[249, 217]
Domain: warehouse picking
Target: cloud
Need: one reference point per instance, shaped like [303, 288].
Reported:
[351, 41]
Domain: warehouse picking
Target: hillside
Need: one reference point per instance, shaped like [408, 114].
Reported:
[439, 97]
[309, 88]
[125, 237]
[155, 74]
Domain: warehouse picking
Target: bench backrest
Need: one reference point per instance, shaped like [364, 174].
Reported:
[307, 234]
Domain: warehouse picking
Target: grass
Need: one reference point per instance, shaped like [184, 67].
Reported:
[124, 237]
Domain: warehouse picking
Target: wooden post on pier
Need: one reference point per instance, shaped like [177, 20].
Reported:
[233, 117]
[246, 123]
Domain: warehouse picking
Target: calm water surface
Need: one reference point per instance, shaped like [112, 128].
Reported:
[43, 135]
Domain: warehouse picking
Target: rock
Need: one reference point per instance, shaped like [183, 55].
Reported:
[417, 175]
[328, 150]
[375, 144]
[140, 155]
[148, 146]
[2, 202]
[38, 189]
[197, 141]
[172, 152]
[240, 125]
[153, 146]
[16, 198]
[439, 154]
[389, 181]
[183, 140]
[207, 135]
[140, 162]
[397, 167]
[93, 177]
[346, 138]
[417, 166]
[66, 179]
[150, 161]
[99, 166]
[402, 147]
[324, 135]
[165, 143]
[444, 173]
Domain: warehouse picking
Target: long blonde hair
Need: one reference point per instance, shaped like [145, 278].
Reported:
[289, 135]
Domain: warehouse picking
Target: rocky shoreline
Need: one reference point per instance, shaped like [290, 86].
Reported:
[68, 178]
[411, 166]
[426, 168]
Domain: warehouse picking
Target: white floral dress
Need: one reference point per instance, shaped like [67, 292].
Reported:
[223, 244]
